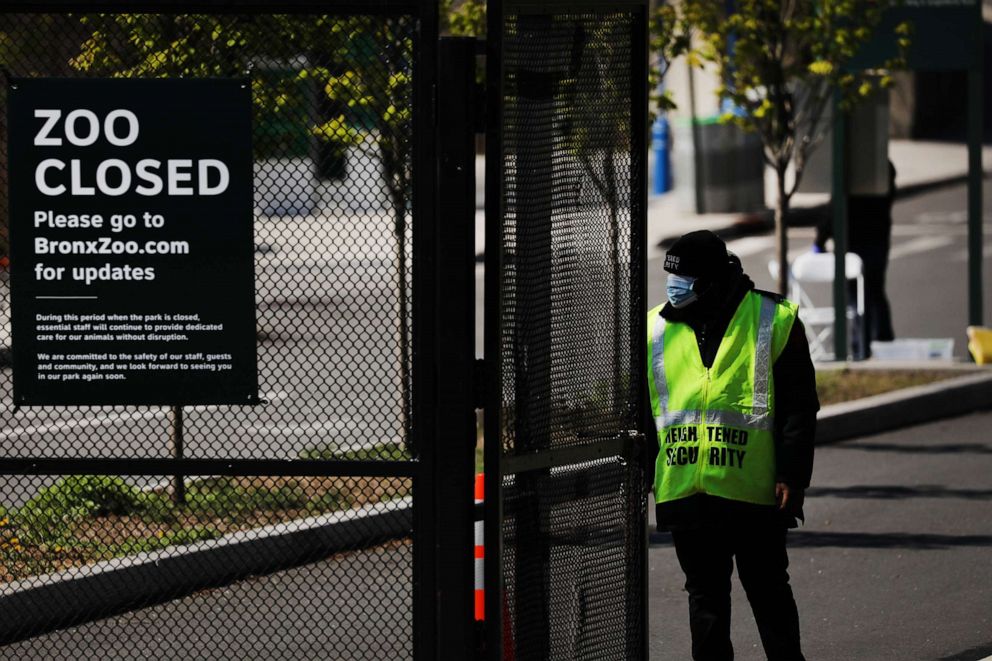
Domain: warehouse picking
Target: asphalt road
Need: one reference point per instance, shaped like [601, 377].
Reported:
[927, 281]
[895, 559]
[352, 607]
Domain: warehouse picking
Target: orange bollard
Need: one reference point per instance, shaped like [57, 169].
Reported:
[480, 593]
[480, 553]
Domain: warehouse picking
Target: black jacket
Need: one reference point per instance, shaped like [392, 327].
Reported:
[796, 405]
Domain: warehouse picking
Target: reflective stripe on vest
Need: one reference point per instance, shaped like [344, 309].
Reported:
[715, 425]
[760, 379]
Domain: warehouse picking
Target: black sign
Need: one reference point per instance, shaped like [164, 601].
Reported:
[132, 277]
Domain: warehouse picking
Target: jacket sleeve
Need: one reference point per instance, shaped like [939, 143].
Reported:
[796, 404]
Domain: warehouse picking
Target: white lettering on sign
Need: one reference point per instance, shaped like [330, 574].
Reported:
[93, 132]
[114, 177]
[92, 122]
[51, 118]
[110, 126]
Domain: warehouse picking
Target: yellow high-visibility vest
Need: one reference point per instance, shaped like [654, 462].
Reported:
[716, 426]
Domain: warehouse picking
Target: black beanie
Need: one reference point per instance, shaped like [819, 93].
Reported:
[701, 254]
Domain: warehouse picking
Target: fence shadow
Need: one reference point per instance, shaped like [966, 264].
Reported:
[889, 492]
[972, 654]
[911, 541]
[951, 448]
[865, 540]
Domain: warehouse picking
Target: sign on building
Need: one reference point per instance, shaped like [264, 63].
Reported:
[132, 278]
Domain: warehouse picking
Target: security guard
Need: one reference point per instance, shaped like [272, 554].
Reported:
[733, 405]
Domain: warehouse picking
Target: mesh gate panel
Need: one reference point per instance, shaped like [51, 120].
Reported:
[569, 331]
[567, 225]
[333, 117]
[590, 556]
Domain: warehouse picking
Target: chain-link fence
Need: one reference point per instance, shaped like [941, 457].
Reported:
[124, 528]
[568, 185]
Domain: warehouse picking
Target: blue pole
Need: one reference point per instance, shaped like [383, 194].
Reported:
[660, 144]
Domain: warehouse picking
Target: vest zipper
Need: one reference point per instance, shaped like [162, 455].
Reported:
[703, 417]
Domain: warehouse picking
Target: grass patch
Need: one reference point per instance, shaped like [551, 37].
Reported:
[83, 519]
[844, 385]
[384, 452]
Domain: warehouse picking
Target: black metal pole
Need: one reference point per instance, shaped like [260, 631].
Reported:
[975, 120]
[422, 424]
[493, 336]
[697, 144]
[638, 560]
[838, 206]
[455, 340]
[532, 350]
[179, 482]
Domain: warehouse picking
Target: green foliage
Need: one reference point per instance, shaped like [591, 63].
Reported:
[670, 37]
[781, 62]
[79, 496]
[229, 498]
[843, 385]
[176, 537]
[51, 515]
[361, 65]
[466, 18]
[384, 452]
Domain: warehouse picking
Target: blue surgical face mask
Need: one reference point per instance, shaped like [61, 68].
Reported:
[680, 290]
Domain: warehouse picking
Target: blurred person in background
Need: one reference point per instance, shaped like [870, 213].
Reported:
[869, 235]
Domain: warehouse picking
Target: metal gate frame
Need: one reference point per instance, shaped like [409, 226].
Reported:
[443, 427]
[443, 368]
[627, 446]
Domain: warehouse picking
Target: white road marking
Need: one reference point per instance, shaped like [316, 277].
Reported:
[922, 244]
[280, 429]
[750, 245]
[947, 217]
[962, 256]
[107, 419]
[907, 229]
[942, 217]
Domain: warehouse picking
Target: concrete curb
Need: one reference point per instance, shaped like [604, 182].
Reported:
[902, 408]
[41, 604]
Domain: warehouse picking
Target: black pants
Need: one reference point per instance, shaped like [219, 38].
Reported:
[707, 557]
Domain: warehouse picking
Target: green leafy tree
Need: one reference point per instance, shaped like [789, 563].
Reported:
[361, 67]
[670, 37]
[31, 45]
[463, 18]
[780, 63]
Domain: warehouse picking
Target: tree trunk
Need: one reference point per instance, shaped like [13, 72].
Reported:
[781, 233]
[399, 228]
[612, 198]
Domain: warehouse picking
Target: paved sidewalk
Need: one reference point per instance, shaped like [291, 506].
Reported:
[919, 165]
